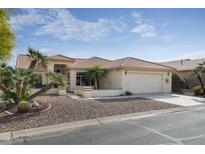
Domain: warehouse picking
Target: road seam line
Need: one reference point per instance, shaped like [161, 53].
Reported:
[159, 133]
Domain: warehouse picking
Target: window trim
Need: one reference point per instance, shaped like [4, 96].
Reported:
[83, 81]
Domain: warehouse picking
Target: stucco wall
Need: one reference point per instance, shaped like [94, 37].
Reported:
[165, 83]
[51, 64]
[44, 77]
[99, 93]
[112, 80]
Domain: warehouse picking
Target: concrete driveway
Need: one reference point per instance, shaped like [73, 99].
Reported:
[181, 100]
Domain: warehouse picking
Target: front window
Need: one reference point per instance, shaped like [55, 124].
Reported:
[82, 80]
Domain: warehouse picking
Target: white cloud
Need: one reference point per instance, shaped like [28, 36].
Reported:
[144, 27]
[167, 38]
[136, 15]
[145, 30]
[62, 24]
[47, 50]
[30, 17]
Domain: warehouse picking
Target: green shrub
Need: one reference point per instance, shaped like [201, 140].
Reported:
[177, 83]
[25, 96]
[197, 90]
[127, 93]
[23, 107]
[9, 97]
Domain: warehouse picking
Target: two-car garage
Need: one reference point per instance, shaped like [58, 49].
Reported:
[145, 82]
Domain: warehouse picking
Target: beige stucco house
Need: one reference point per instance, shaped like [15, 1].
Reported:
[126, 74]
[185, 69]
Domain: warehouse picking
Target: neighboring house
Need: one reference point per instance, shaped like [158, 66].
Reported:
[126, 74]
[185, 69]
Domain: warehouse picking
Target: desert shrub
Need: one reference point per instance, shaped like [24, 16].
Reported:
[23, 107]
[8, 97]
[197, 90]
[128, 93]
[177, 83]
[25, 97]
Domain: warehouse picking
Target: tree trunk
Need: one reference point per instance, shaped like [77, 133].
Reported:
[18, 91]
[98, 83]
[32, 64]
[24, 88]
[3, 88]
[42, 90]
[201, 82]
[25, 83]
[18, 88]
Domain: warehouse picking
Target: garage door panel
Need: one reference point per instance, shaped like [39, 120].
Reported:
[145, 83]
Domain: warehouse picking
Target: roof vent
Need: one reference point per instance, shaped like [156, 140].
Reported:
[183, 60]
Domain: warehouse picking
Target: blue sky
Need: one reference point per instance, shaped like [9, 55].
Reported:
[149, 34]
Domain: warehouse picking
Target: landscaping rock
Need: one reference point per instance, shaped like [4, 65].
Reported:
[34, 103]
[2, 106]
[65, 109]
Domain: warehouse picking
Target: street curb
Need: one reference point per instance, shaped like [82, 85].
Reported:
[7, 136]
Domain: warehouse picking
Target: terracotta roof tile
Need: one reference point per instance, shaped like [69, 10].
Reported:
[23, 61]
[87, 63]
[60, 58]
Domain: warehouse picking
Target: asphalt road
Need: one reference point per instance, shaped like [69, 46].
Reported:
[186, 127]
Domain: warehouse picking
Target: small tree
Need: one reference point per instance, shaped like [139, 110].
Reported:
[95, 73]
[199, 70]
[177, 83]
[7, 37]
[16, 83]
[11, 81]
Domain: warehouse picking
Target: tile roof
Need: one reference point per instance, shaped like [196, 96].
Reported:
[23, 62]
[184, 64]
[60, 58]
[87, 63]
[128, 62]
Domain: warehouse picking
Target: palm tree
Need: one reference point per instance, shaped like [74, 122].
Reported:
[36, 58]
[199, 70]
[11, 81]
[54, 78]
[96, 72]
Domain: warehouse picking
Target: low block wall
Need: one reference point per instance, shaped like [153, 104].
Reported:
[97, 93]
[104, 93]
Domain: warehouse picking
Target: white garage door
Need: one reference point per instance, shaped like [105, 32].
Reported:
[144, 83]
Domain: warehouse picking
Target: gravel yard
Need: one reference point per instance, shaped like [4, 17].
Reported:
[65, 109]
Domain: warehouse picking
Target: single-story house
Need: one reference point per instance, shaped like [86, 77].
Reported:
[185, 69]
[126, 74]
